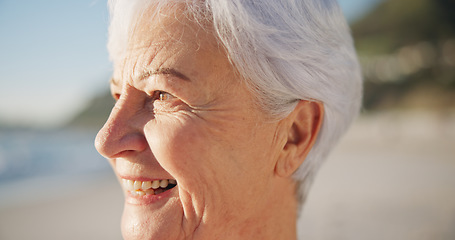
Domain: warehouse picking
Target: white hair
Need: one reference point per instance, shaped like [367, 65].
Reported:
[286, 50]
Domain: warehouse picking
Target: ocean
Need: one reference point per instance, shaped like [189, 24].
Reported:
[46, 164]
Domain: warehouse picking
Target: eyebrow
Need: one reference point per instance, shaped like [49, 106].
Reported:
[163, 71]
[160, 71]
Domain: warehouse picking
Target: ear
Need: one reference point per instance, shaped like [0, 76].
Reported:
[302, 126]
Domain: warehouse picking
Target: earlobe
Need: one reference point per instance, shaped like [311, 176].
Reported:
[303, 126]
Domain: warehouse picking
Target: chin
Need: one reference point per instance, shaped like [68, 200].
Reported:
[160, 218]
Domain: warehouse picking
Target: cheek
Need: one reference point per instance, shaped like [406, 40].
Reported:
[208, 153]
[182, 146]
[197, 152]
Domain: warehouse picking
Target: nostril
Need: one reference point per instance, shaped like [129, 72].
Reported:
[113, 140]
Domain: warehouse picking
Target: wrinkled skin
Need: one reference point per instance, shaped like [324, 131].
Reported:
[202, 127]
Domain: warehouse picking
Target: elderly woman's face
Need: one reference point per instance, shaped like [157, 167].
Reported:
[193, 152]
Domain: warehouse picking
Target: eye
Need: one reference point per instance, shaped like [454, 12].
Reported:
[164, 96]
[116, 96]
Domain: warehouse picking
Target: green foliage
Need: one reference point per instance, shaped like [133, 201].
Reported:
[405, 22]
[404, 46]
[95, 114]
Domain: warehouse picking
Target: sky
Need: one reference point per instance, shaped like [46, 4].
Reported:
[53, 58]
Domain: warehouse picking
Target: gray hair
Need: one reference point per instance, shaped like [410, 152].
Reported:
[286, 50]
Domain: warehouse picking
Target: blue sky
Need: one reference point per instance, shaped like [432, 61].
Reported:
[53, 58]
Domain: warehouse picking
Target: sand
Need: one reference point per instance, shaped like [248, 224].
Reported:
[391, 177]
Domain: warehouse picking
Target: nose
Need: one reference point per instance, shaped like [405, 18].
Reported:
[123, 131]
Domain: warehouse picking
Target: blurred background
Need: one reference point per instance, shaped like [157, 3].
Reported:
[391, 177]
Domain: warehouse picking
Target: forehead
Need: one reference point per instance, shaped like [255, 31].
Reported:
[168, 24]
[170, 38]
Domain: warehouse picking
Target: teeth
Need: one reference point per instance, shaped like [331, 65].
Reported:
[137, 185]
[156, 184]
[164, 183]
[129, 185]
[139, 193]
[150, 191]
[139, 188]
[146, 185]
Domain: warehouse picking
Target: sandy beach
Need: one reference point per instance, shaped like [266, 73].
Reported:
[391, 177]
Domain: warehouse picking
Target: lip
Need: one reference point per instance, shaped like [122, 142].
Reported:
[134, 199]
[148, 199]
[142, 179]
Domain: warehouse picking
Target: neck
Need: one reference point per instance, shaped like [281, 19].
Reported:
[278, 218]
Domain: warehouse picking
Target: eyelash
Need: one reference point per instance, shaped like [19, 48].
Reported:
[116, 96]
[158, 95]
[164, 96]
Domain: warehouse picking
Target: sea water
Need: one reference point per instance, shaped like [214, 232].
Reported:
[44, 164]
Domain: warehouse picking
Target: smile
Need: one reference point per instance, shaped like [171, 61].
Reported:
[143, 188]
